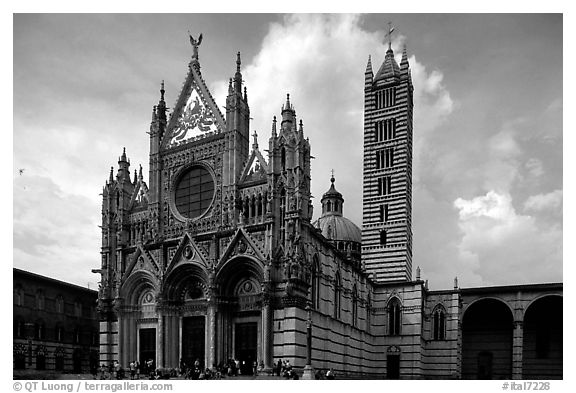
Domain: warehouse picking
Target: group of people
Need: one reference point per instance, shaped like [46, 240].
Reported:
[115, 371]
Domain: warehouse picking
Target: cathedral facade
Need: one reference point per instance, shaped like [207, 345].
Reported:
[218, 256]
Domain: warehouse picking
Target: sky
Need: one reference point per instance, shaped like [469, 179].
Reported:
[488, 110]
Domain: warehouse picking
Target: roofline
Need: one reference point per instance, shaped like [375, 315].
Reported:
[53, 280]
[512, 288]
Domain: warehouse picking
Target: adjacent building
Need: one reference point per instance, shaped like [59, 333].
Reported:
[55, 325]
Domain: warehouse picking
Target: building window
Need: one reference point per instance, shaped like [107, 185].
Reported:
[194, 192]
[18, 296]
[60, 304]
[337, 293]
[439, 323]
[59, 334]
[40, 300]
[384, 212]
[39, 331]
[384, 185]
[77, 335]
[394, 317]
[368, 313]
[18, 329]
[383, 237]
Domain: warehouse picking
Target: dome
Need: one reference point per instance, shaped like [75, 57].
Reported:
[332, 223]
[337, 227]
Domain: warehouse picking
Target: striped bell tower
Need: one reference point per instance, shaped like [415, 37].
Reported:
[387, 190]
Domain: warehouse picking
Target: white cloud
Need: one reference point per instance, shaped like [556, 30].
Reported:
[543, 202]
[535, 167]
[320, 60]
[510, 248]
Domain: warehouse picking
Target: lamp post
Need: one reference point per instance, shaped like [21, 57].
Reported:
[308, 369]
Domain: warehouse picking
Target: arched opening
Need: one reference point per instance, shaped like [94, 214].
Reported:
[439, 323]
[394, 311]
[315, 284]
[487, 340]
[542, 346]
[337, 294]
[240, 292]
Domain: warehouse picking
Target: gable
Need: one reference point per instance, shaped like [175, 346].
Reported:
[256, 168]
[195, 116]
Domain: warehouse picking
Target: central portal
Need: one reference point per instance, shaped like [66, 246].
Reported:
[193, 340]
[246, 345]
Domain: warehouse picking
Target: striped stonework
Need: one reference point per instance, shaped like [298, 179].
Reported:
[387, 196]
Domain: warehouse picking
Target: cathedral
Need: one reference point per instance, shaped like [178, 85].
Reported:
[220, 256]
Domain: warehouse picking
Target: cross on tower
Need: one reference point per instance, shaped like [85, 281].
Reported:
[389, 34]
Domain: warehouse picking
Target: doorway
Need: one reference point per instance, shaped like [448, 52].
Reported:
[193, 337]
[147, 338]
[393, 367]
[246, 345]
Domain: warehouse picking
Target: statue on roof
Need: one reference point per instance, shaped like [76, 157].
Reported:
[195, 44]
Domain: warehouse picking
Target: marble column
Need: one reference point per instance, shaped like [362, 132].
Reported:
[211, 325]
[160, 343]
[517, 348]
[267, 333]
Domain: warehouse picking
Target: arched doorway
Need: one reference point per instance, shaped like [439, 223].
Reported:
[186, 293]
[542, 346]
[240, 312]
[487, 340]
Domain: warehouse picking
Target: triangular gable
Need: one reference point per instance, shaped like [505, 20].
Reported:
[256, 168]
[139, 195]
[186, 252]
[142, 260]
[195, 116]
[242, 244]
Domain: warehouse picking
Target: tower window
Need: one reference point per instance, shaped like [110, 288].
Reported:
[385, 158]
[385, 130]
[384, 185]
[384, 212]
[386, 98]
[383, 238]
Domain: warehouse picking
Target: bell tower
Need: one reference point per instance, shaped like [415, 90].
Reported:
[387, 175]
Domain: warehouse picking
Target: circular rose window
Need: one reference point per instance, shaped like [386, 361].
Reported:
[194, 192]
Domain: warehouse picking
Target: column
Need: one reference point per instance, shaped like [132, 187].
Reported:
[517, 342]
[266, 333]
[211, 324]
[160, 343]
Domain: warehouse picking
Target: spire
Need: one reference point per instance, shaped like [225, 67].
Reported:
[162, 91]
[111, 179]
[238, 76]
[369, 66]
[238, 62]
[245, 94]
[135, 177]
[274, 127]
[140, 177]
[404, 65]
[255, 143]
[123, 156]
[301, 129]
[390, 67]
[288, 115]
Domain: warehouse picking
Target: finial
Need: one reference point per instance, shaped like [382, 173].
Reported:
[162, 90]
[111, 174]
[332, 180]
[274, 127]
[135, 176]
[238, 62]
[140, 173]
[255, 144]
[245, 94]
[455, 282]
[418, 273]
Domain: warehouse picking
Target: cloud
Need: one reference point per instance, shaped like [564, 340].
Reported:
[509, 247]
[55, 233]
[320, 61]
[544, 202]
